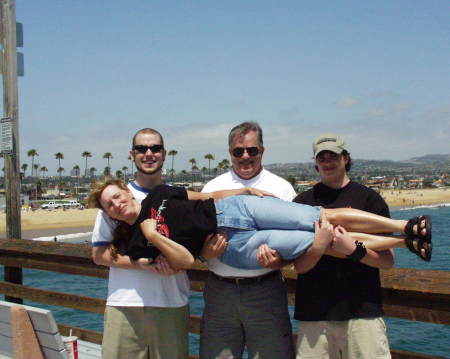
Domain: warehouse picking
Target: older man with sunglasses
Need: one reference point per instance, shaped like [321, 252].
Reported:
[245, 307]
[147, 311]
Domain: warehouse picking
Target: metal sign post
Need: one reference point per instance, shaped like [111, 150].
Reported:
[10, 132]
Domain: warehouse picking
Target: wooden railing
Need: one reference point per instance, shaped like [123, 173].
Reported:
[420, 295]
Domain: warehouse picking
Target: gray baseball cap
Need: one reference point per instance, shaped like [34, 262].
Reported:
[328, 142]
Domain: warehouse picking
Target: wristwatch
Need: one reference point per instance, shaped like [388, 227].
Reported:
[359, 252]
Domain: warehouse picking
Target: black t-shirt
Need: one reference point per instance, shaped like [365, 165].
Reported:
[339, 289]
[183, 221]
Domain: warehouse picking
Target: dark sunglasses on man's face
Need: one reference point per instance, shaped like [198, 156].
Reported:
[143, 148]
[327, 156]
[239, 151]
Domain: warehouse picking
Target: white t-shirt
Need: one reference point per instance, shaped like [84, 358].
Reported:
[138, 288]
[266, 181]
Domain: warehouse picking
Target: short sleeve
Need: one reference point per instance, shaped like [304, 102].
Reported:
[376, 204]
[164, 191]
[102, 233]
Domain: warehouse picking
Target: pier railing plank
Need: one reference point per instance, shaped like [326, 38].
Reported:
[87, 304]
[422, 295]
[51, 256]
[83, 334]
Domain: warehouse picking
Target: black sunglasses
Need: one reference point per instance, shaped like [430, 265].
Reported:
[327, 156]
[143, 148]
[239, 151]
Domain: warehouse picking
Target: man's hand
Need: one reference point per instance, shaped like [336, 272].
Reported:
[214, 245]
[146, 264]
[163, 267]
[342, 241]
[160, 265]
[323, 234]
[269, 258]
[258, 192]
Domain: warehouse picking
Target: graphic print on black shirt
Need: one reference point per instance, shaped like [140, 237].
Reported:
[161, 227]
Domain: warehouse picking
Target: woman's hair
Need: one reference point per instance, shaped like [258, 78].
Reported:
[98, 187]
[122, 232]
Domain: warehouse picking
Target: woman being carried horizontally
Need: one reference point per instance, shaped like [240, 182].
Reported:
[168, 222]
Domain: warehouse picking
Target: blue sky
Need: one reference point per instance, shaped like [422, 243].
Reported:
[376, 72]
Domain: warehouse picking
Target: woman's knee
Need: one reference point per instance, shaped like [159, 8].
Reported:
[329, 213]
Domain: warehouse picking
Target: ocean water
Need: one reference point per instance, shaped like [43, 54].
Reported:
[413, 336]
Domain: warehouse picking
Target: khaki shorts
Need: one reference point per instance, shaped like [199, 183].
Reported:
[145, 332]
[353, 339]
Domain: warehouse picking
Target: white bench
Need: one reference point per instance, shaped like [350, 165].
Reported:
[47, 334]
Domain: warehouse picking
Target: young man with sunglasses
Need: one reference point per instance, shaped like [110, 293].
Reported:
[245, 307]
[338, 301]
[147, 311]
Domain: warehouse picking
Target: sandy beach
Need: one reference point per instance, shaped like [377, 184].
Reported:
[416, 197]
[55, 219]
[76, 219]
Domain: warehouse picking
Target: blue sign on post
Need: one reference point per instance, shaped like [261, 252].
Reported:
[19, 34]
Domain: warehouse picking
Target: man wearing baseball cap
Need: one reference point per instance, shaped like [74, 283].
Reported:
[338, 301]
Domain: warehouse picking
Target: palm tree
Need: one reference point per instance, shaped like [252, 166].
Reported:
[119, 174]
[24, 169]
[92, 171]
[125, 169]
[60, 171]
[36, 167]
[43, 170]
[209, 157]
[76, 169]
[224, 164]
[86, 155]
[204, 169]
[107, 171]
[32, 153]
[193, 163]
[108, 156]
[59, 156]
[184, 173]
[129, 158]
[218, 168]
[172, 153]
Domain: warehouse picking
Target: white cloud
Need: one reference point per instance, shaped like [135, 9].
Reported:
[376, 113]
[346, 101]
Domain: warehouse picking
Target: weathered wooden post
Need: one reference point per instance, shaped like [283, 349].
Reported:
[10, 133]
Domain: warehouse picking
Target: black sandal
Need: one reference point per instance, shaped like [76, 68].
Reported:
[423, 252]
[409, 228]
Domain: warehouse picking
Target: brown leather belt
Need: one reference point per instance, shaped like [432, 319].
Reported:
[247, 280]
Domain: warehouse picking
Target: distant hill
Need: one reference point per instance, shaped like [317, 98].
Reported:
[434, 158]
[427, 164]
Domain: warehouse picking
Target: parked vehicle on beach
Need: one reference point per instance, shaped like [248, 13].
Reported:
[50, 205]
[71, 204]
[61, 204]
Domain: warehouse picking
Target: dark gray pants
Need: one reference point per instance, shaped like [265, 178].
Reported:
[253, 315]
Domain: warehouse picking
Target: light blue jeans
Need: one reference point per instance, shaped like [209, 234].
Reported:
[251, 221]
